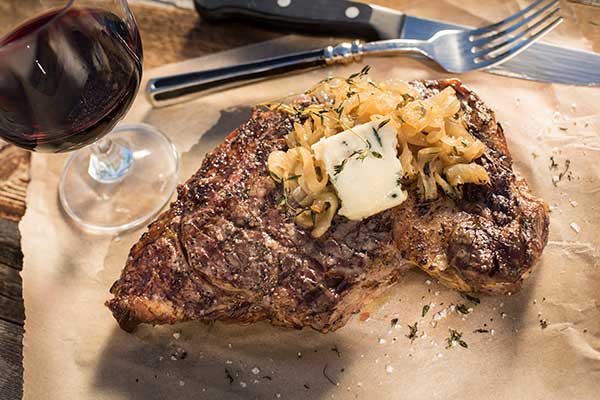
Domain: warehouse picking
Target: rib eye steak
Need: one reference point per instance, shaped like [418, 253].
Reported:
[226, 251]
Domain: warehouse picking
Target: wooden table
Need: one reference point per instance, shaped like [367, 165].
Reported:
[169, 35]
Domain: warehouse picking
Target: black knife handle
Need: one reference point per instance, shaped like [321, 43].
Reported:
[173, 89]
[339, 17]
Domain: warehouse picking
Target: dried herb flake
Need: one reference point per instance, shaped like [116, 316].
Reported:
[412, 334]
[425, 310]
[456, 337]
[462, 309]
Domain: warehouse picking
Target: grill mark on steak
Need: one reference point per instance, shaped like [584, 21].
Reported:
[226, 251]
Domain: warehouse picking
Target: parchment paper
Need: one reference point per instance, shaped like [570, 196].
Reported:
[543, 342]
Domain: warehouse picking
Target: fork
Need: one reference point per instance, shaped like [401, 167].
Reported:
[455, 50]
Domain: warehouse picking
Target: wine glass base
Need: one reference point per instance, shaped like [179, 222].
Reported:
[131, 201]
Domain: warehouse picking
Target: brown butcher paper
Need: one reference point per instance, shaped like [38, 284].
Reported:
[543, 342]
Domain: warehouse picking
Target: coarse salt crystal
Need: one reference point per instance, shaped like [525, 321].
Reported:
[575, 227]
[440, 314]
[428, 282]
[176, 335]
[228, 362]
[573, 203]
[181, 383]
[243, 384]
[381, 341]
[255, 370]
[556, 116]
[389, 369]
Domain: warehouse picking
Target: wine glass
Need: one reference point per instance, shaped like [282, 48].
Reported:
[69, 71]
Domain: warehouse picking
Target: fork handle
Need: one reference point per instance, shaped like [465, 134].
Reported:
[178, 88]
[339, 17]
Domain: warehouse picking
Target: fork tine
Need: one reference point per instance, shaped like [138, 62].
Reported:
[512, 39]
[519, 24]
[491, 27]
[510, 53]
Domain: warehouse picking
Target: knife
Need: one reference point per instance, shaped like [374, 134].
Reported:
[541, 62]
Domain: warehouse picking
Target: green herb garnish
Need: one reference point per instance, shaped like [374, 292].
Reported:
[425, 310]
[412, 334]
[358, 155]
[456, 337]
[383, 123]
[376, 133]
[275, 177]
[462, 309]
[364, 71]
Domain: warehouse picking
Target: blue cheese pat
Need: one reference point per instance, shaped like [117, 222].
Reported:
[369, 185]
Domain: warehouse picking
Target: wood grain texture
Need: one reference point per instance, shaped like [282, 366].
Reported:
[12, 314]
[14, 177]
[11, 365]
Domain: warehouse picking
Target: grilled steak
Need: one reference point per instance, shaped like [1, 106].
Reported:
[226, 251]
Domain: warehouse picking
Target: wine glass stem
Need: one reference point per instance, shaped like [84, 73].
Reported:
[110, 161]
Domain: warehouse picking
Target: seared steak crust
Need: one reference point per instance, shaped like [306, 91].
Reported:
[226, 250]
[487, 241]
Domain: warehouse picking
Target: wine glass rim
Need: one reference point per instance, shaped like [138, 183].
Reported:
[60, 13]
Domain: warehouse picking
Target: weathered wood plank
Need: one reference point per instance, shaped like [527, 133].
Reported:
[10, 283]
[14, 177]
[11, 365]
[10, 244]
[12, 310]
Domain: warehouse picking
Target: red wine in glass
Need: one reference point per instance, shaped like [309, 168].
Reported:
[66, 78]
[69, 72]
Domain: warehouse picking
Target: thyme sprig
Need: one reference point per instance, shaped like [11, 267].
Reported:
[364, 71]
[357, 155]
